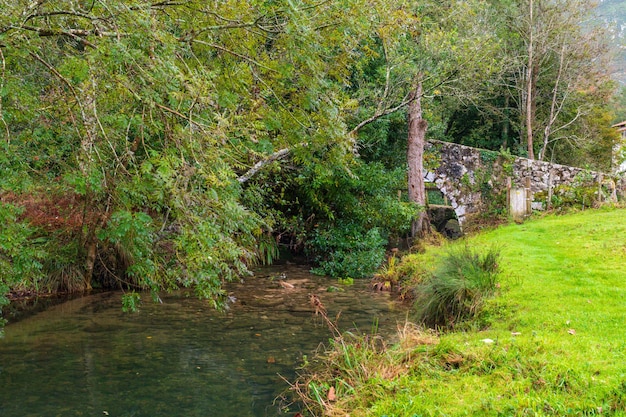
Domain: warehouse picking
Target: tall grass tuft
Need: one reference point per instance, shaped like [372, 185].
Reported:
[351, 371]
[63, 272]
[338, 368]
[267, 249]
[457, 289]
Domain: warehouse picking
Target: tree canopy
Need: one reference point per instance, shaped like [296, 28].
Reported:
[153, 145]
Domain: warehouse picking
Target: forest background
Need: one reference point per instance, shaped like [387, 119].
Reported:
[153, 145]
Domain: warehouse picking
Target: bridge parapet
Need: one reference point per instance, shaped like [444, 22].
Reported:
[478, 181]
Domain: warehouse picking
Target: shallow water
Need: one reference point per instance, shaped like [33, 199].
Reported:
[85, 357]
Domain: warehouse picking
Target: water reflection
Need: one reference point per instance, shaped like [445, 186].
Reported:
[180, 358]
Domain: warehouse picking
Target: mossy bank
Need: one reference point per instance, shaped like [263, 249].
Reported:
[550, 342]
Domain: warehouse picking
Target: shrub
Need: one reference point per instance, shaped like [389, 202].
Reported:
[339, 215]
[21, 253]
[347, 251]
[458, 287]
[63, 269]
[20, 248]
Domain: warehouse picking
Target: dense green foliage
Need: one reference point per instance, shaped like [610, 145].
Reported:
[569, 93]
[157, 145]
[145, 115]
[20, 253]
[340, 218]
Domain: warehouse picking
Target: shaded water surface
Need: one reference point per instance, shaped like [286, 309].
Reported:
[179, 358]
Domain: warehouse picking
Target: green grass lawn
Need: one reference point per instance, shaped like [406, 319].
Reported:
[557, 330]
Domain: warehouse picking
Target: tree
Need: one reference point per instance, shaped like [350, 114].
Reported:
[427, 50]
[415, 159]
[550, 90]
[151, 113]
[144, 142]
[562, 56]
[611, 14]
[618, 102]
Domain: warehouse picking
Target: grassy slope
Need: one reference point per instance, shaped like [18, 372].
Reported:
[561, 275]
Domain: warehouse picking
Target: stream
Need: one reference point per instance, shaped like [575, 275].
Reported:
[85, 357]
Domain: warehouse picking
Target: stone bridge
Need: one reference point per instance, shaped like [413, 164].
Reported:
[482, 182]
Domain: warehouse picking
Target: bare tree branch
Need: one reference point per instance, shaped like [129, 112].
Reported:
[228, 51]
[2, 75]
[380, 113]
[60, 13]
[259, 165]
[179, 114]
[43, 32]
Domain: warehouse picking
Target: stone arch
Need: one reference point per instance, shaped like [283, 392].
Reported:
[442, 212]
[451, 193]
[452, 169]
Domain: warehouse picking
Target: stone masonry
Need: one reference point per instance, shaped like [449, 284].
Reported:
[467, 176]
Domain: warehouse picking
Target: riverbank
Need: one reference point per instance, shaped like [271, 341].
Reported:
[552, 341]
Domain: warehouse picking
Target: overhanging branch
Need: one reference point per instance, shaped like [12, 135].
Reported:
[228, 51]
[378, 115]
[43, 32]
[259, 165]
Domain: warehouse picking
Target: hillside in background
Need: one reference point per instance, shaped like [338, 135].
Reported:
[613, 12]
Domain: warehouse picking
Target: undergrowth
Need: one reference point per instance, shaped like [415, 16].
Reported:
[457, 289]
[341, 369]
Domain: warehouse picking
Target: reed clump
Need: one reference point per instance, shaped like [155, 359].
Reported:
[353, 365]
[457, 289]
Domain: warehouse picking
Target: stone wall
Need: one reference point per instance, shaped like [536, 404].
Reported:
[479, 181]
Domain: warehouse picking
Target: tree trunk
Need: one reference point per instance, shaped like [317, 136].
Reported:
[506, 124]
[91, 247]
[555, 108]
[530, 86]
[415, 159]
[86, 162]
